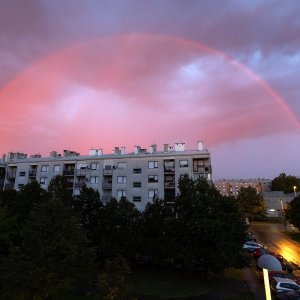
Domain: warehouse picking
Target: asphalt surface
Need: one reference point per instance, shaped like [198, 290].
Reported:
[273, 237]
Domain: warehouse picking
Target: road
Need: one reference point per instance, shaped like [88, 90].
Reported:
[272, 236]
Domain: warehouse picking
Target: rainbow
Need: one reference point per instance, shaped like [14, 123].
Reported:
[278, 100]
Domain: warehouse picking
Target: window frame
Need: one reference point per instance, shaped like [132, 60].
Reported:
[44, 168]
[121, 179]
[153, 164]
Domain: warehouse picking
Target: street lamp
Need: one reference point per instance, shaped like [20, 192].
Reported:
[295, 191]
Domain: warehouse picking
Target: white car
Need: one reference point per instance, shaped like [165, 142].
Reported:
[251, 246]
[283, 285]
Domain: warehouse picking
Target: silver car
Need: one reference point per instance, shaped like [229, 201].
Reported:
[283, 285]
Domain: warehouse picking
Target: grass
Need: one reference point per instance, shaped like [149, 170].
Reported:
[153, 284]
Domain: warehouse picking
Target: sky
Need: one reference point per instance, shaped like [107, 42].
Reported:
[80, 74]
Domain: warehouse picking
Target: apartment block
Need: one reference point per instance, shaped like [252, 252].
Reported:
[231, 187]
[138, 176]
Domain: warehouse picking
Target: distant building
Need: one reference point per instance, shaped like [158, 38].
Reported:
[138, 176]
[276, 202]
[231, 187]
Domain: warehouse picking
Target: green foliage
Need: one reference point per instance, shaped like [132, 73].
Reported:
[251, 203]
[88, 207]
[57, 190]
[120, 232]
[201, 231]
[285, 183]
[293, 212]
[51, 257]
[210, 228]
[112, 282]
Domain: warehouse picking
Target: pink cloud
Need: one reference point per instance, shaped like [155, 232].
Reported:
[134, 89]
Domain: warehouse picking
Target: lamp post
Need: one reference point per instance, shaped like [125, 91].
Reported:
[295, 191]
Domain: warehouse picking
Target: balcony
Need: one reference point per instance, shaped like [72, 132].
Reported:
[170, 184]
[107, 172]
[69, 185]
[106, 185]
[79, 185]
[169, 170]
[81, 172]
[68, 172]
[11, 176]
[9, 186]
[32, 173]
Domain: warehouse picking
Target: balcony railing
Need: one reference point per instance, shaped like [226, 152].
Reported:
[32, 173]
[107, 172]
[69, 172]
[79, 185]
[107, 185]
[9, 186]
[170, 170]
[70, 185]
[169, 184]
[81, 172]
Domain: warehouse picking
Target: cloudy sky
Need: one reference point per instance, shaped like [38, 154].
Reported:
[79, 74]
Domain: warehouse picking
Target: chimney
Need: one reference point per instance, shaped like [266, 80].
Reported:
[93, 152]
[3, 157]
[152, 148]
[200, 145]
[166, 147]
[137, 149]
[179, 146]
[100, 152]
[117, 151]
[123, 150]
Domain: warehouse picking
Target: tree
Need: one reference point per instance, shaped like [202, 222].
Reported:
[57, 189]
[120, 231]
[53, 255]
[285, 183]
[156, 233]
[88, 207]
[210, 228]
[293, 212]
[112, 282]
[251, 203]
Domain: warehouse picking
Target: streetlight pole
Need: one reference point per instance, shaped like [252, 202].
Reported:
[295, 191]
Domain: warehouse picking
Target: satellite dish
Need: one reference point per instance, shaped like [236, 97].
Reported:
[269, 262]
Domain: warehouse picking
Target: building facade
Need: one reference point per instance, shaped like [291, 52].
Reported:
[138, 176]
[231, 187]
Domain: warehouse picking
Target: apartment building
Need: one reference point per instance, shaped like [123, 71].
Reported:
[231, 187]
[2, 174]
[138, 176]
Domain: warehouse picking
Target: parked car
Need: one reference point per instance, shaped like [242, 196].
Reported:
[280, 274]
[283, 284]
[251, 246]
[250, 237]
[292, 295]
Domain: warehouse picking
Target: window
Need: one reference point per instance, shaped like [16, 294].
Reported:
[94, 179]
[121, 193]
[137, 198]
[22, 174]
[183, 163]
[152, 164]
[94, 166]
[56, 168]
[137, 171]
[121, 179]
[152, 193]
[198, 165]
[43, 180]
[44, 168]
[137, 184]
[153, 178]
[122, 165]
[20, 185]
